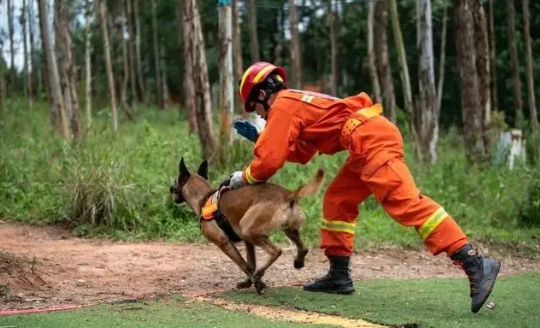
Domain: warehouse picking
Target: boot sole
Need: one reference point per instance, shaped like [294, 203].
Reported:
[339, 291]
[497, 268]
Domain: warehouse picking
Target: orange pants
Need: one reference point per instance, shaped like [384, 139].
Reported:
[392, 185]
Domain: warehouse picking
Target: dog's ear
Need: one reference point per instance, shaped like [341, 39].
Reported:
[183, 169]
[203, 170]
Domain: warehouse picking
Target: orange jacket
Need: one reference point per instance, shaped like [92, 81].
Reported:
[299, 124]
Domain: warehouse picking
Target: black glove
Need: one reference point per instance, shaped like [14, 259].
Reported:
[225, 183]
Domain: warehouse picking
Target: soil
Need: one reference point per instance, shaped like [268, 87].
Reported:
[47, 267]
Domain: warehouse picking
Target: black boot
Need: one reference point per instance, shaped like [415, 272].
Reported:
[481, 271]
[337, 281]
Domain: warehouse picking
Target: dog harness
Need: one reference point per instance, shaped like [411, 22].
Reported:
[210, 211]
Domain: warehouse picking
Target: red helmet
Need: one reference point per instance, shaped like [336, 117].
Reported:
[256, 74]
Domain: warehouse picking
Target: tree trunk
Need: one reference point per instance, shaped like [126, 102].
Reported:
[402, 59]
[156, 55]
[33, 74]
[333, 22]
[482, 64]
[296, 66]
[493, 58]
[131, 53]
[75, 108]
[194, 44]
[404, 74]
[61, 55]
[530, 79]
[125, 62]
[512, 45]
[279, 36]
[189, 81]
[204, 108]
[470, 99]
[140, 78]
[125, 71]
[13, 71]
[2, 85]
[440, 84]
[226, 80]
[67, 67]
[253, 38]
[385, 70]
[180, 34]
[87, 62]
[237, 56]
[45, 69]
[164, 86]
[27, 79]
[237, 49]
[375, 85]
[54, 84]
[426, 111]
[108, 64]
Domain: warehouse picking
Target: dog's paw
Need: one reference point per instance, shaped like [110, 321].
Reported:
[298, 264]
[299, 261]
[244, 284]
[260, 287]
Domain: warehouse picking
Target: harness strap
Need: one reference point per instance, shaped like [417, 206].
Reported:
[210, 211]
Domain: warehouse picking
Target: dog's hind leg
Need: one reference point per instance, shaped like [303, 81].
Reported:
[301, 249]
[252, 265]
[215, 235]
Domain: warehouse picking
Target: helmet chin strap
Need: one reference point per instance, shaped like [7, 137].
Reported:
[264, 101]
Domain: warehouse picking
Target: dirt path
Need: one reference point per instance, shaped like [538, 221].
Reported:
[60, 269]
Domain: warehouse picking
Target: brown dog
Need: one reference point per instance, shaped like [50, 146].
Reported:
[253, 212]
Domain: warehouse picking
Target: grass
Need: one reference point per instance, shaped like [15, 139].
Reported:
[421, 303]
[434, 303]
[117, 186]
[152, 315]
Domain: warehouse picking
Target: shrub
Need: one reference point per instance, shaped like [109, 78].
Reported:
[529, 211]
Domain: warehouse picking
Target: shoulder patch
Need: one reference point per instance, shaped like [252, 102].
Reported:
[307, 98]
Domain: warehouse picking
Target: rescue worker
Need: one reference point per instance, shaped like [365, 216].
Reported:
[302, 123]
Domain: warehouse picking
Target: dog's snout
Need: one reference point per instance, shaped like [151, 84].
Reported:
[171, 189]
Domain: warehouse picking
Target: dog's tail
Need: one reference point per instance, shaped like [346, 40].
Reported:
[308, 189]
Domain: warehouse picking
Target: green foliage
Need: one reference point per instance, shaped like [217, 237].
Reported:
[533, 147]
[103, 184]
[529, 210]
[498, 121]
[118, 186]
[422, 303]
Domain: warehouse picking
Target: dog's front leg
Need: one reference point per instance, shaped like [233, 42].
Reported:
[273, 253]
[215, 235]
[252, 265]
